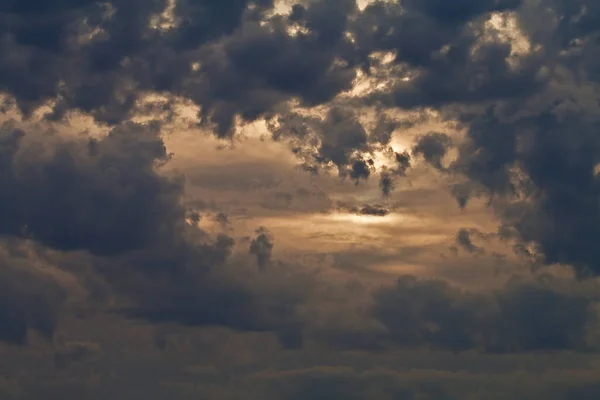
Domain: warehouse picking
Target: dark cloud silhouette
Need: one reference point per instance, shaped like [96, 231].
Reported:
[370, 209]
[386, 183]
[534, 153]
[103, 196]
[464, 241]
[388, 176]
[30, 301]
[102, 58]
[229, 58]
[376, 210]
[106, 200]
[338, 140]
[433, 147]
[531, 148]
[436, 51]
[262, 247]
[520, 317]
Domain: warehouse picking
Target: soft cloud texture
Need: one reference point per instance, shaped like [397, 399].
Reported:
[299, 199]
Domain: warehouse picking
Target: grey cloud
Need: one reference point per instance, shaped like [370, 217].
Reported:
[520, 317]
[367, 209]
[338, 140]
[69, 354]
[434, 44]
[531, 147]
[104, 203]
[530, 119]
[102, 196]
[463, 239]
[389, 176]
[101, 57]
[262, 247]
[534, 155]
[243, 63]
[433, 147]
[29, 301]
[374, 210]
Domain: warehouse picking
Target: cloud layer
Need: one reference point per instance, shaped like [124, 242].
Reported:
[383, 176]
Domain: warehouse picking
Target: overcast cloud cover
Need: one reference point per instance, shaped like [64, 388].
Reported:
[300, 199]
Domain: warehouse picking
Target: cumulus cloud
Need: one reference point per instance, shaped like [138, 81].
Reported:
[262, 247]
[103, 196]
[106, 198]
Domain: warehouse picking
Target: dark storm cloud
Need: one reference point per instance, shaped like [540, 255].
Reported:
[553, 174]
[228, 57]
[520, 317]
[535, 154]
[103, 196]
[262, 247]
[201, 21]
[389, 176]
[106, 200]
[433, 147]
[434, 44]
[260, 66]
[234, 60]
[337, 140]
[530, 119]
[73, 50]
[183, 281]
[531, 145]
[28, 302]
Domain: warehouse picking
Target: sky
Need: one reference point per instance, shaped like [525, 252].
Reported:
[300, 199]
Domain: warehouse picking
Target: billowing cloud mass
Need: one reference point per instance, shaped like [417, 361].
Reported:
[425, 175]
[103, 196]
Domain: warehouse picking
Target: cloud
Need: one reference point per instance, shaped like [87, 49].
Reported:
[29, 302]
[464, 241]
[375, 210]
[103, 196]
[102, 58]
[69, 354]
[533, 154]
[105, 204]
[388, 176]
[520, 317]
[433, 146]
[262, 247]
[336, 141]
[512, 85]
